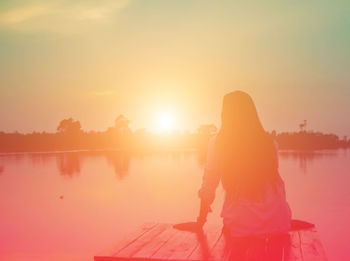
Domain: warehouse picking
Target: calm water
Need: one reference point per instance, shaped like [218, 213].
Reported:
[69, 206]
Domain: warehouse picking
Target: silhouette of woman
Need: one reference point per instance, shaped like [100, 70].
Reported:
[244, 157]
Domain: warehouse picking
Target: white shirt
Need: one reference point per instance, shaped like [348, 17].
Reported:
[244, 217]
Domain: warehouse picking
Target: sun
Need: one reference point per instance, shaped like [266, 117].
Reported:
[164, 122]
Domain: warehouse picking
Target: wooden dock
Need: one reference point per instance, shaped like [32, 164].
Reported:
[159, 242]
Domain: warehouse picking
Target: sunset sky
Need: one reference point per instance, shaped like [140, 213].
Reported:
[93, 60]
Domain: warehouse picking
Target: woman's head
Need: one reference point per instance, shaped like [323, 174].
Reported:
[239, 113]
[248, 159]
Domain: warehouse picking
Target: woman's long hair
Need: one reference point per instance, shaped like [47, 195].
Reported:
[247, 156]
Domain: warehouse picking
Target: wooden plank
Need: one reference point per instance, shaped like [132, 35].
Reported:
[110, 252]
[159, 242]
[186, 247]
[221, 248]
[141, 241]
[148, 250]
[311, 246]
[178, 247]
[206, 242]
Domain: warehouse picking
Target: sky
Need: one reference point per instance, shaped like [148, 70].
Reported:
[93, 60]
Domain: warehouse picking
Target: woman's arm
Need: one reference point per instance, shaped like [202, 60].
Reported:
[211, 179]
[203, 212]
[210, 182]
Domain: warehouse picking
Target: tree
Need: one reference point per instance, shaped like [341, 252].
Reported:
[121, 124]
[69, 126]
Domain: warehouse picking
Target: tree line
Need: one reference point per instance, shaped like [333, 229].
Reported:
[69, 135]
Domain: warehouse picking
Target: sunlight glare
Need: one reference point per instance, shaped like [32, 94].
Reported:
[164, 122]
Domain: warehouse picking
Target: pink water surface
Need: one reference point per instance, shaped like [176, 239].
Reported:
[70, 206]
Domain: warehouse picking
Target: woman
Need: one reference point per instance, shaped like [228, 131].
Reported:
[244, 157]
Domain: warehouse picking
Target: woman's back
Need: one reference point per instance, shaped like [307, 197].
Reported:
[243, 216]
[243, 156]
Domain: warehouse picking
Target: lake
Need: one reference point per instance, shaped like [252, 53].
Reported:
[72, 205]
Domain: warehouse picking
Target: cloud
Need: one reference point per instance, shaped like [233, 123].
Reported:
[59, 16]
[22, 14]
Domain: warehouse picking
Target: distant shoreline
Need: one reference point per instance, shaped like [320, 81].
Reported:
[155, 151]
[95, 150]
[71, 138]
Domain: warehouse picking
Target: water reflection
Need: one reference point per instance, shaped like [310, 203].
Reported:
[68, 164]
[304, 158]
[55, 196]
[38, 159]
[120, 161]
